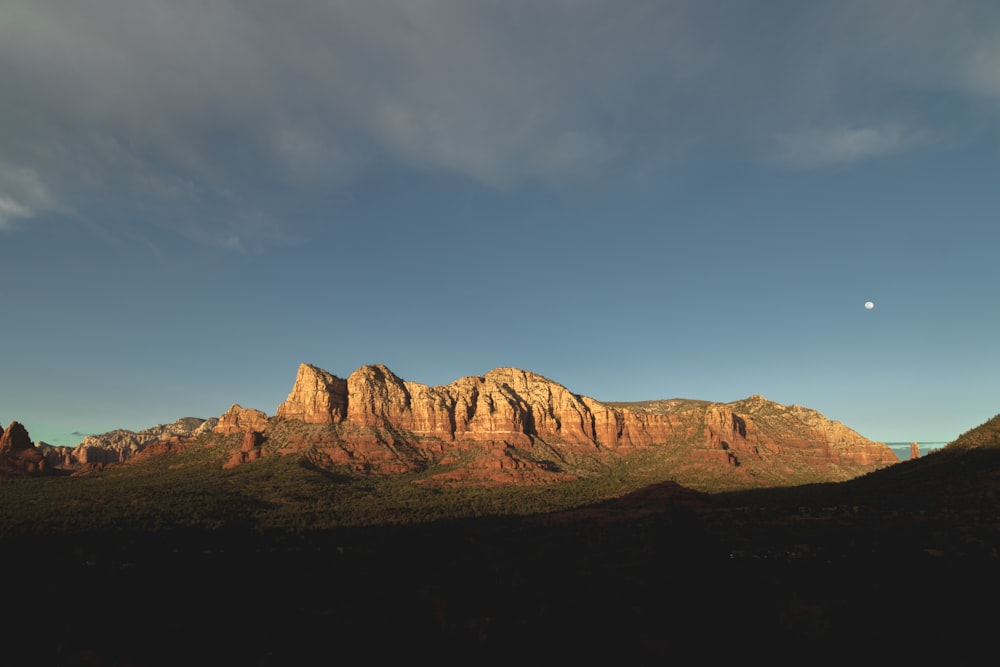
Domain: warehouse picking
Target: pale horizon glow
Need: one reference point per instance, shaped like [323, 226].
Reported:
[639, 201]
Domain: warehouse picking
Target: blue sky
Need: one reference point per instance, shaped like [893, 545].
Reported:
[638, 200]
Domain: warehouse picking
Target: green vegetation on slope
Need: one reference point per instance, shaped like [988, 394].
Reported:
[984, 435]
[190, 489]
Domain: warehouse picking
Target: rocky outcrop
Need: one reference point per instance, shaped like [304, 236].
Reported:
[250, 450]
[18, 454]
[120, 445]
[779, 430]
[111, 447]
[238, 419]
[506, 404]
[914, 451]
[317, 397]
[511, 426]
[510, 419]
[377, 397]
[15, 440]
[172, 445]
[56, 456]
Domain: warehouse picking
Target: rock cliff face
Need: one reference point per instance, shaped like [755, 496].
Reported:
[119, 445]
[512, 426]
[761, 425]
[15, 439]
[56, 457]
[250, 450]
[238, 419]
[506, 404]
[317, 397]
[510, 419]
[18, 454]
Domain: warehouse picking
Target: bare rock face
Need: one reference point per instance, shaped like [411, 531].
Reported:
[250, 450]
[15, 439]
[317, 397]
[57, 457]
[252, 441]
[779, 429]
[120, 445]
[513, 424]
[377, 397]
[914, 451]
[508, 426]
[111, 447]
[18, 454]
[506, 404]
[171, 445]
[238, 419]
[540, 406]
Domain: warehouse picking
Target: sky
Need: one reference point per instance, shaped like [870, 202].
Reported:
[636, 199]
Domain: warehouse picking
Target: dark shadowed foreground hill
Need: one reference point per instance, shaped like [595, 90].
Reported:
[901, 565]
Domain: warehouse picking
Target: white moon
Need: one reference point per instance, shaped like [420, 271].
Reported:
[869, 305]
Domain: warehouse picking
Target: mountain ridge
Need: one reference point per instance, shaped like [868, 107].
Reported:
[511, 426]
[290, 555]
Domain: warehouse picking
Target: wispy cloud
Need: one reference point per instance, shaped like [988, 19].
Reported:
[11, 210]
[22, 195]
[171, 103]
[825, 146]
[981, 72]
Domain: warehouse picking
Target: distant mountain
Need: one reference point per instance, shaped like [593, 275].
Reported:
[18, 456]
[512, 426]
[119, 445]
[363, 507]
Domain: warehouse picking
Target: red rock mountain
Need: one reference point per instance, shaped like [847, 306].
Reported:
[238, 419]
[18, 454]
[120, 445]
[510, 424]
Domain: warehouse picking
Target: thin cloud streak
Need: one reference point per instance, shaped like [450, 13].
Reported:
[185, 104]
[22, 196]
[819, 147]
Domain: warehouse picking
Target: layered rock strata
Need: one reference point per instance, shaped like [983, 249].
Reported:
[517, 416]
[317, 397]
[238, 419]
[513, 426]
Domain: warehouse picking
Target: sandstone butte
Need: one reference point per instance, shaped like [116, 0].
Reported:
[507, 426]
[516, 425]
[18, 454]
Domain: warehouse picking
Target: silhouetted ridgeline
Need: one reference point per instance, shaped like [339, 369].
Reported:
[506, 427]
